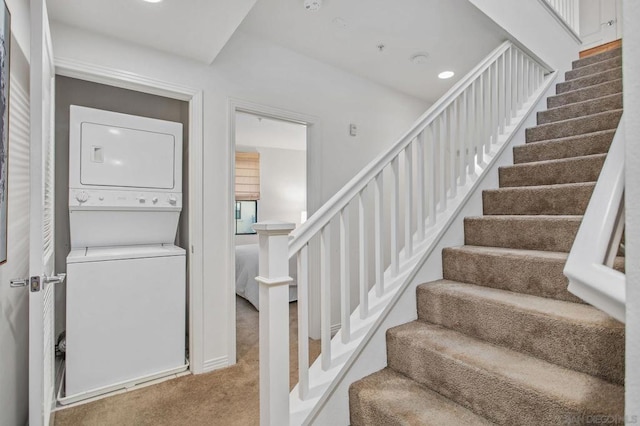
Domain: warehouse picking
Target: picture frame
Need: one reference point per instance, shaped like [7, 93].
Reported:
[5, 59]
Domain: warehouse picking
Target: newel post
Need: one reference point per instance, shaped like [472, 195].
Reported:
[274, 321]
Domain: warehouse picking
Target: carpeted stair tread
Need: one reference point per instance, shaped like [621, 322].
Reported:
[562, 199]
[594, 68]
[585, 94]
[500, 384]
[535, 232]
[552, 172]
[390, 398]
[534, 272]
[580, 109]
[572, 146]
[574, 126]
[590, 80]
[572, 335]
[589, 60]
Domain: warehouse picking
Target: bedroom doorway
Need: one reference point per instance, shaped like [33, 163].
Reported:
[270, 183]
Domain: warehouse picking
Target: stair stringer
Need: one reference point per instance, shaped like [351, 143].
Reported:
[370, 356]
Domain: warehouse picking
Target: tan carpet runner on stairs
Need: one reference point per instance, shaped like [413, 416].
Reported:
[500, 339]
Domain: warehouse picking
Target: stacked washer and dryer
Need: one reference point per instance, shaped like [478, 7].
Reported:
[126, 294]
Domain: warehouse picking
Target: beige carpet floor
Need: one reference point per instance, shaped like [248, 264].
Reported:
[224, 397]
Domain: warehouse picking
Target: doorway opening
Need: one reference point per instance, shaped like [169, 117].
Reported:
[270, 184]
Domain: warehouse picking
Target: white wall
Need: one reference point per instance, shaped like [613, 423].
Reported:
[631, 64]
[257, 71]
[14, 306]
[283, 187]
[532, 24]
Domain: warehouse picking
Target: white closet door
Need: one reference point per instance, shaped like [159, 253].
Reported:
[600, 22]
[41, 228]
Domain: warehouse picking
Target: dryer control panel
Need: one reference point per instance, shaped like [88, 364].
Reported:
[83, 199]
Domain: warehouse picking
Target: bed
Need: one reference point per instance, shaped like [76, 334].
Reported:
[247, 271]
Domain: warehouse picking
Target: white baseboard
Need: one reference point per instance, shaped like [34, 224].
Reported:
[215, 364]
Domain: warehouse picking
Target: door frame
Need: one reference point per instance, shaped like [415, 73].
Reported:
[314, 198]
[195, 283]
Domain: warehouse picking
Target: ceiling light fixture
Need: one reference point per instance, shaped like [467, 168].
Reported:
[312, 5]
[446, 74]
[153, 1]
[420, 58]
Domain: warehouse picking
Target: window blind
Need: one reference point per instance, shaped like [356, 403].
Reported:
[247, 176]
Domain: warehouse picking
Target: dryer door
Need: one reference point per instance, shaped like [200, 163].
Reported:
[129, 158]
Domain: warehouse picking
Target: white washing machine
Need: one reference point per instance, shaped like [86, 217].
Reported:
[126, 280]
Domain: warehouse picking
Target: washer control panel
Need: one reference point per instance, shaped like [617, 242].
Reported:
[107, 199]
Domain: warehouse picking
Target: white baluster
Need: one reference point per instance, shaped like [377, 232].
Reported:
[507, 84]
[274, 321]
[362, 259]
[420, 164]
[303, 322]
[345, 288]
[495, 108]
[431, 171]
[395, 213]
[502, 92]
[443, 161]
[474, 143]
[408, 201]
[379, 233]
[452, 144]
[325, 297]
[483, 112]
[463, 135]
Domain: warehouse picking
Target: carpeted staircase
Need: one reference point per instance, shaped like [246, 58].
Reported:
[500, 339]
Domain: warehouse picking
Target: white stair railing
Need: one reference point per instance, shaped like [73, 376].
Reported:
[431, 169]
[589, 266]
[568, 11]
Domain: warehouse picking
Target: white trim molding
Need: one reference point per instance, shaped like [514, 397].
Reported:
[132, 81]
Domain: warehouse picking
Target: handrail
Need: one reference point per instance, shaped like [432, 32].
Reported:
[589, 265]
[337, 202]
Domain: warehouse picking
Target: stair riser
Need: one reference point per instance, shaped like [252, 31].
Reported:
[590, 60]
[595, 68]
[535, 276]
[526, 234]
[488, 395]
[607, 103]
[389, 398]
[590, 349]
[593, 123]
[591, 80]
[586, 94]
[570, 171]
[596, 143]
[563, 200]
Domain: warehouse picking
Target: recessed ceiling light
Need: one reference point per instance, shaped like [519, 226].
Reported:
[153, 1]
[446, 74]
[420, 58]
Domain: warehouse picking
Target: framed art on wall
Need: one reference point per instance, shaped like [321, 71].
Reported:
[5, 46]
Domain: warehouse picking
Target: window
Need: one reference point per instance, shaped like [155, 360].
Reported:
[246, 216]
[247, 191]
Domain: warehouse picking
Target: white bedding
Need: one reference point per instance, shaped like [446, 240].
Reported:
[247, 271]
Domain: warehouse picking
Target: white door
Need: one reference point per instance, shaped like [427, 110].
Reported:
[600, 22]
[41, 247]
